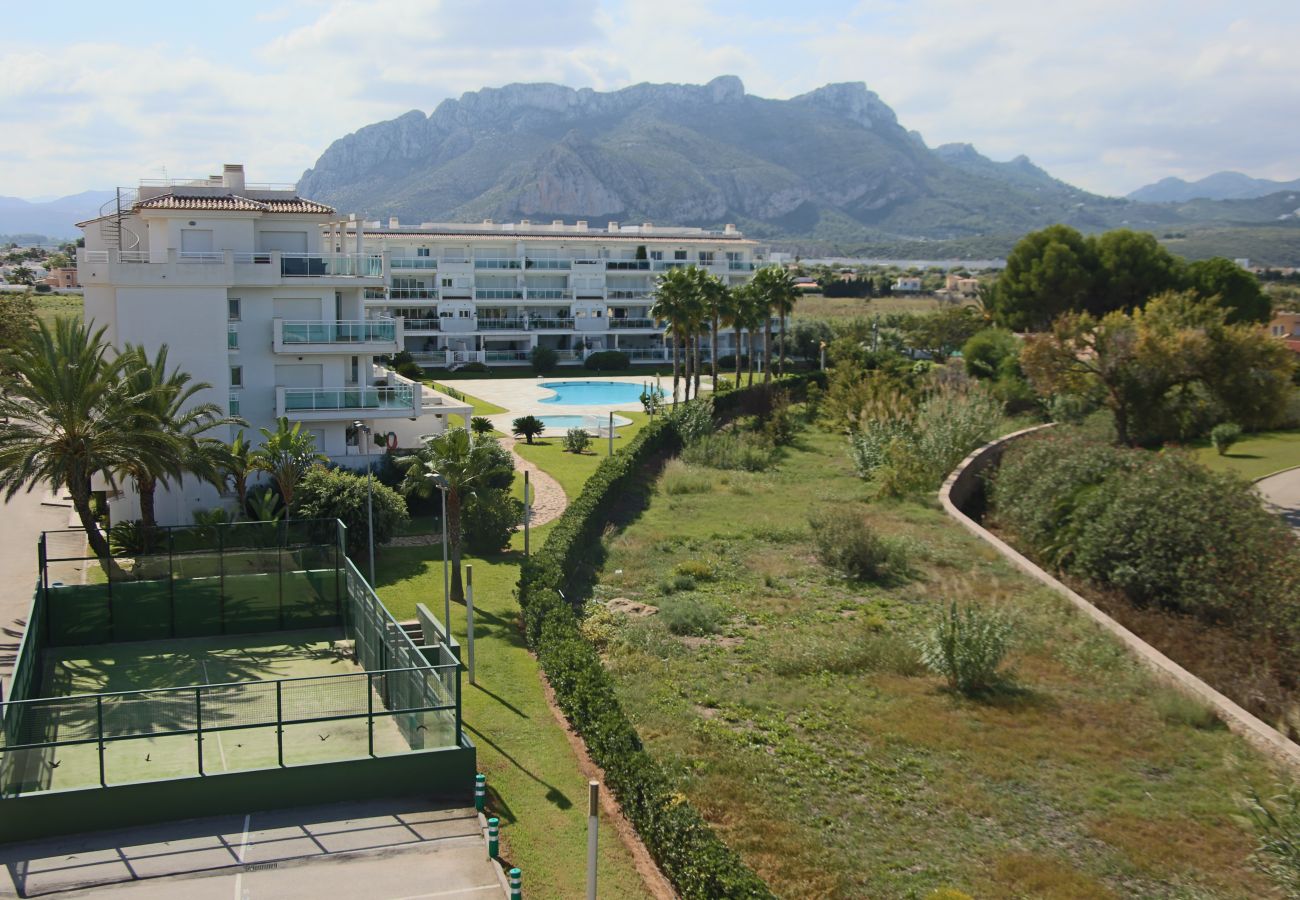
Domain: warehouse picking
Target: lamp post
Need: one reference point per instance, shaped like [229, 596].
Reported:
[441, 482]
[370, 496]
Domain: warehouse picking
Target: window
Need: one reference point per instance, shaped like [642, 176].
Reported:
[463, 313]
[354, 370]
[656, 254]
[236, 376]
[706, 257]
[446, 282]
[232, 309]
[421, 251]
[679, 254]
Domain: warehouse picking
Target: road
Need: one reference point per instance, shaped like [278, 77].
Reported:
[22, 520]
[1281, 492]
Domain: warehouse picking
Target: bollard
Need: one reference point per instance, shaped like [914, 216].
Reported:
[516, 889]
[494, 837]
[480, 792]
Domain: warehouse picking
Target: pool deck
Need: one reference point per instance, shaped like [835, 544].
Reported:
[523, 396]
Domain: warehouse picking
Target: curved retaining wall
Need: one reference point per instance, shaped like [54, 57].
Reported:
[964, 483]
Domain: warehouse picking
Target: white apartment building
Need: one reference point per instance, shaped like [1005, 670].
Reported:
[283, 306]
[492, 292]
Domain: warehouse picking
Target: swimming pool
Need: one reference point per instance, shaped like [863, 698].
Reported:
[593, 393]
[590, 423]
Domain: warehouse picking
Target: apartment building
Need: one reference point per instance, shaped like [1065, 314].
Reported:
[235, 279]
[492, 292]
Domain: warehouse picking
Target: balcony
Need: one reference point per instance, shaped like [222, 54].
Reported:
[631, 323]
[500, 324]
[738, 265]
[498, 294]
[320, 265]
[227, 268]
[627, 265]
[413, 293]
[324, 404]
[637, 294]
[498, 264]
[412, 262]
[547, 294]
[663, 265]
[535, 263]
[367, 336]
[499, 356]
[539, 323]
[420, 325]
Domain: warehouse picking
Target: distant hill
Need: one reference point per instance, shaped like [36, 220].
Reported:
[53, 218]
[1219, 186]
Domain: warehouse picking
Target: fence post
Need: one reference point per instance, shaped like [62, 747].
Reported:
[593, 824]
[221, 578]
[516, 887]
[99, 731]
[528, 512]
[480, 791]
[279, 723]
[469, 619]
[370, 712]
[198, 725]
[611, 434]
[171, 582]
[494, 837]
[279, 567]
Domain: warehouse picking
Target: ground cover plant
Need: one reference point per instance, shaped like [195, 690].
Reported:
[802, 724]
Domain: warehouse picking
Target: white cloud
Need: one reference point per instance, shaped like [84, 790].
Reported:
[1107, 94]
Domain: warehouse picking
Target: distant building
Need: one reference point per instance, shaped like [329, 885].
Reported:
[961, 285]
[1286, 328]
[63, 277]
[907, 285]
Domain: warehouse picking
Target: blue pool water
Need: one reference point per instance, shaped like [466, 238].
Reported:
[592, 393]
[564, 423]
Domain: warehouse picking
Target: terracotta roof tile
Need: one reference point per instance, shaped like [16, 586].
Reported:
[234, 203]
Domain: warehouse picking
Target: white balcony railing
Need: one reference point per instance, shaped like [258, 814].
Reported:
[413, 262]
[359, 331]
[389, 397]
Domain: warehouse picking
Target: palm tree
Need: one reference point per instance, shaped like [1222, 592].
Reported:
[235, 462]
[287, 455]
[776, 285]
[752, 309]
[70, 412]
[731, 311]
[697, 313]
[527, 427]
[673, 294]
[470, 465]
[714, 292]
[168, 403]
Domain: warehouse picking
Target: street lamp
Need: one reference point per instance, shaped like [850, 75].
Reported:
[441, 482]
[370, 496]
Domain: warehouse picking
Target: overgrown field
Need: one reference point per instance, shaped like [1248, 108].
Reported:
[791, 707]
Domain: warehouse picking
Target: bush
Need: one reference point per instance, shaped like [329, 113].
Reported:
[576, 440]
[475, 366]
[694, 420]
[607, 361]
[544, 359]
[679, 478]
[846, 543]
[480, 425]
[1276, 823]
[691, 616]
[732, 450]
[1224, 435]
[342, 494]
[527, 427]
[42, 288]
[487, 520]
[967, 648]
[410, 370]
[991, 353]
[695, 568]
[131, 538]
[779, 426]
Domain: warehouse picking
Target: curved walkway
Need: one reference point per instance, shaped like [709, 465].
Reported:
[1281, 493]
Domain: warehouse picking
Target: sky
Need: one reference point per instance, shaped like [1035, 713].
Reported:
[1105, 94]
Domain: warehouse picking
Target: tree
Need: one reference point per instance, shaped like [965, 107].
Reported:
[22, 275]
[527, 427]
[940, 334]
[17, 319]
[1048, 273]
[168, 401]
[731, 311]
[806, 339]
[753, 313]
[775, 285]
[989, 352]
[287, 455]
[470, 466]
[544, 359]
[344, 495]
[235, 463]
[69, 413]
[714, 294]
[481, 425]
[1232, 287]
[674, 294]
[57, 261]
[1132, 268]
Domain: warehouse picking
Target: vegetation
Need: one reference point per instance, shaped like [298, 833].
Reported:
[481, 425]
[527, 427]
[847, 544]
[1255, 455]
[967, 647]
[607, 361]
[543, 359]
[341, 494]
[1224, 435]
[287, 454]
[17, 320]
[576, 440]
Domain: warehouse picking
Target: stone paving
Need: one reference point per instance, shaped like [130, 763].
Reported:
[1281, 493]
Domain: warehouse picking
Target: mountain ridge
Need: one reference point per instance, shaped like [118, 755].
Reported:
[1226, 185]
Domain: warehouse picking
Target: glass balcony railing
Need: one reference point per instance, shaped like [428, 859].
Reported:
[413, 293]
[413, 262]
[499, 324]
[633, 294]
[631, 323]
[627, 265]
[547, 293]
[325, 399]
[740, 265]
[314, 265]
[498, 263]
[355, 332]
[498, 294]
[549, 263]
[541, 322]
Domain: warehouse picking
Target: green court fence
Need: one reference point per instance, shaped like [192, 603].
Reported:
[218, 580]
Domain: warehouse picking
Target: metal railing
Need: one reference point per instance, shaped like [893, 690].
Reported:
[548, 263]
[498, 294]
[627, 265]
[201, 256]
[498, 263]
[413, 262]
[505, 355]
[408, 293]
[645, 353]
[347, 332]
[326, 399]
[631, 323]
[500, 324]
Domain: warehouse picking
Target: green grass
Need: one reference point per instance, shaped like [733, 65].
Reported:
[481, 407]
[572, 470]
[808, 733]
[1255, 455]
[817, 306]
[534, 784]
[51, 306]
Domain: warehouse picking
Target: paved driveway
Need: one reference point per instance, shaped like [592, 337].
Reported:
[22, 520]
[1282, 493]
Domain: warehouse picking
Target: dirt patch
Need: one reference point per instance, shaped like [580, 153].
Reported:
[696, 643]
[631, 607]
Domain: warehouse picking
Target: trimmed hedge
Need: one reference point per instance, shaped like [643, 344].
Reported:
[552, 586]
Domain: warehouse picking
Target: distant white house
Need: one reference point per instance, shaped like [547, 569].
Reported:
[907, 285]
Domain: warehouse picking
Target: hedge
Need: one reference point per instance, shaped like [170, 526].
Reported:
[552, 586]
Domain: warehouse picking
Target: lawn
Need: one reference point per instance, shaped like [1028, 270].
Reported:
[805, 729]
[818, 306]
[1255, 455]
[481, 407]
[572, 470]
[51, 306]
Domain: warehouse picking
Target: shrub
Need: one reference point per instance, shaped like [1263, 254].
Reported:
[991, 353]
[846, 543]
[607, 361]
[576, 440]
[695, 568]
[410, 370]
[691, 616]
[131, 538]
[679, 478]
[967, 647]
[779, 426]
[1276, 823]
[544, 359]
[480, 425]
[527, 427]
[694, 420]
[732, 450]
[487, 520]
[1224, 435]
[475, 366]
[342, 494]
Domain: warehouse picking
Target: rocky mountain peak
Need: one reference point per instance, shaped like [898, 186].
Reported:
[852, 100]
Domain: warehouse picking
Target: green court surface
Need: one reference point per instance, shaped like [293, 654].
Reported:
[227, 687]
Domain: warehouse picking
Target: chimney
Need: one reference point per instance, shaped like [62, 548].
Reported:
[393, 223]
[557, 224]
[582, 225]
[729, 228]
[524, 222]
[232, 178]
[647, 227]
[613, 227]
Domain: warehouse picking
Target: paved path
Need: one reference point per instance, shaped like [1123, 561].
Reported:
[1281, 493]
[22, 520]
[548, 497]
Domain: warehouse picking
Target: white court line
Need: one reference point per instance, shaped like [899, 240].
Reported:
[474, 890]
[221, 748]
[243, 849]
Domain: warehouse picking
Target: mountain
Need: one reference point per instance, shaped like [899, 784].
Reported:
[1219, 186]
[833, 164]
[53, 218]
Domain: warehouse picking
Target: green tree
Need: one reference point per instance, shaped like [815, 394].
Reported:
[17, 319]
[1233, 288]
[1132, 268]
[1048, 273]
[287, 455]
[470, 466]
[481, 425]
[57, 261]
[69, 413]
[22, 275]
[527, 427]
[714, 294]
[235, 463]
[941, 333]
[987, 353]
[169, 402]
[674, 296]
[340, 494]
[775, 284]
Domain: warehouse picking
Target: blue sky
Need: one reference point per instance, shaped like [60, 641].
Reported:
[1108, 95]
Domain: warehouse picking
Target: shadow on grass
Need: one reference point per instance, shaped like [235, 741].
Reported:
[553, 794]
[1008, 695]
[1242, 456]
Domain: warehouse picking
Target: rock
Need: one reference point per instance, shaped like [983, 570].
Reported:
[631, 607]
